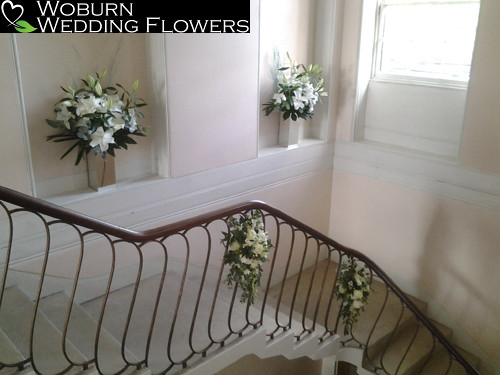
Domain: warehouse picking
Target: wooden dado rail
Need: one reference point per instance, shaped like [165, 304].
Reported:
[175, 344]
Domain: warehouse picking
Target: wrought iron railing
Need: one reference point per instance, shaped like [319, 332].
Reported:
[157, 298]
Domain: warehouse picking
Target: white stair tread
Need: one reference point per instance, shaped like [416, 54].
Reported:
[160, 349]
[175, 344]
[15, 320]
[81, 332]
[9, 353]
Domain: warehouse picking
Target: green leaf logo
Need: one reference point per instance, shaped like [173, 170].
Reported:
[24, 27]
[12, 13]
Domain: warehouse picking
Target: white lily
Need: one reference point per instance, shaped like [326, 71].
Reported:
[102, 139]
[279, 98]
[88, 105]
[64, 115]
[298, 99]
[132, 123]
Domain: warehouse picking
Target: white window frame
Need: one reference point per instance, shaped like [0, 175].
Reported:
[402, 167]
[439, 135]
[377, 75]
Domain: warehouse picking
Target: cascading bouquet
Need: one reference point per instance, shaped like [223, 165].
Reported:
[97, 118]
[353, 288]
[299, 90]
[247, 245]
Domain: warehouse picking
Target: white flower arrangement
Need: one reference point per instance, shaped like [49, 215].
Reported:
[353, 288]
[248, 245]
[97, 118]
[299, 90]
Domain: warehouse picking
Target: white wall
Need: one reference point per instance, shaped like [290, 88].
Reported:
[14, 151]
[295, 15]
[212, 99]
[482, 131]
[421, 118]
[204, 119]
[204, 92]
[397, 225]
[431, 224]
[46, 62]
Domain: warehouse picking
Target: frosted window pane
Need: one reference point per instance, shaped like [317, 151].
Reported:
[428, 39]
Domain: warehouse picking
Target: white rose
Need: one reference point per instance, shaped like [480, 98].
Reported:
[358, 279]
[235, 245]
[357, 304]
[262, 236]
[358, 294]
[259, 249]
[251, 235]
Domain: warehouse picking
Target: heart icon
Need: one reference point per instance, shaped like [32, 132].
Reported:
[12, 12]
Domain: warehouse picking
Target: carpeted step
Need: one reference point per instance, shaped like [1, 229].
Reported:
[440, 363]
[383, 312]
[408, 349]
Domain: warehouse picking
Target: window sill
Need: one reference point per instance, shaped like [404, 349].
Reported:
[417, 81]
[271, 150]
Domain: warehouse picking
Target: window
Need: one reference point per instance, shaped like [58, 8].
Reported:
[414, 63]
[428, 40]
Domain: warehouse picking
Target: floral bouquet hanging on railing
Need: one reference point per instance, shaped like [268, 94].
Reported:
[299, 90]
[247, 245]
[353, 288]
[97, 118]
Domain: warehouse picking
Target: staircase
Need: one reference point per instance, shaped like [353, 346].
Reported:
[95, 298]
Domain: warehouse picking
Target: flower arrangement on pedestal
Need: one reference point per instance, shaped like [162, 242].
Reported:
[97, 118]
[247, 245]
[353, 288]
[299, 90]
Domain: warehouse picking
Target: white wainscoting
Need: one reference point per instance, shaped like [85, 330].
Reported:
[419, 171]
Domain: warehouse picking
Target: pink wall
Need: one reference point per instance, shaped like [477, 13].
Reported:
[212, 100]
[440, 249]
[481, 141]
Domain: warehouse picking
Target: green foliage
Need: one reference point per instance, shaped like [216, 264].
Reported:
[96, 118]
[353, 288]
[299, 90]
[247, 246]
